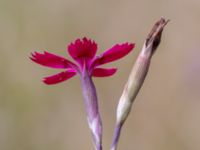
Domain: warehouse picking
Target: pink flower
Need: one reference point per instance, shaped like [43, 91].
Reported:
[87, 64]
[83, 51]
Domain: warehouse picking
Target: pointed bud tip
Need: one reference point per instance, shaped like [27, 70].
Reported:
[154, 36]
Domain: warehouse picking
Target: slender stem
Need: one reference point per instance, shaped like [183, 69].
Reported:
[116, 136]
[92, 110]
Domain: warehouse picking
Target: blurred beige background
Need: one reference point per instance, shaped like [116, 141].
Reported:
[166, 113]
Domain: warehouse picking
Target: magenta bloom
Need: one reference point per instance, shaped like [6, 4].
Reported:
[84, 53]
[87, 64]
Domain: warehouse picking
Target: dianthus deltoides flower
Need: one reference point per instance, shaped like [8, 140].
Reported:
[86, 64]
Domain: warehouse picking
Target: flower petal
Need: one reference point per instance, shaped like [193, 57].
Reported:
[51, 60]
[103, 72]
[84, 48]
[116, 52]
[60, 77]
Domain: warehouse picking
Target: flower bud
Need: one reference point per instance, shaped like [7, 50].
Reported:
[137, 77]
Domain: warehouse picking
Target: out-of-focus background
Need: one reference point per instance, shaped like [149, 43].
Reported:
[34, 116]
